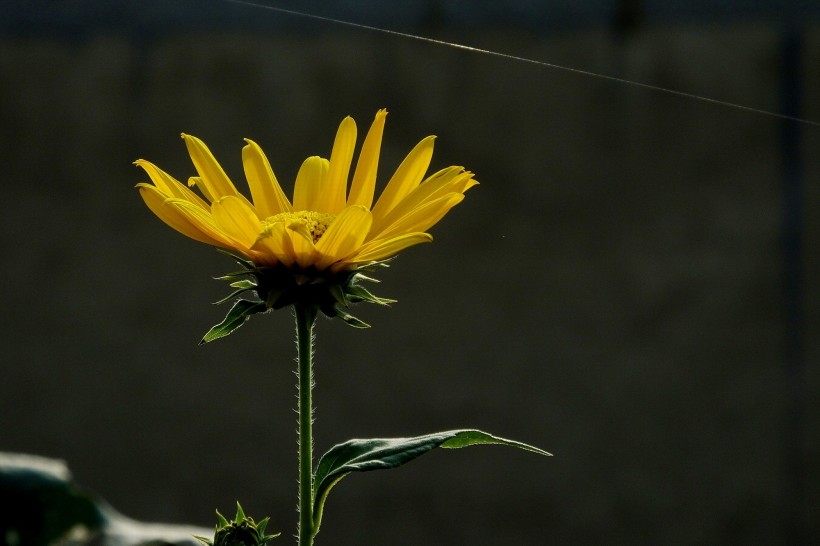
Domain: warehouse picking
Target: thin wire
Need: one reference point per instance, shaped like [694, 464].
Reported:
[531, 61]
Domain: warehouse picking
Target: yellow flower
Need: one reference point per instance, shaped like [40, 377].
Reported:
[326, 227]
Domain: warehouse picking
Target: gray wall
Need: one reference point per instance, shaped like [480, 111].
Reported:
[612, 292]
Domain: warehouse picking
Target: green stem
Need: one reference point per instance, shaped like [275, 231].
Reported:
[305, 317]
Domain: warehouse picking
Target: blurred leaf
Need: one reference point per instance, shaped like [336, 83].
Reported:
[40, 502]
[42, 506]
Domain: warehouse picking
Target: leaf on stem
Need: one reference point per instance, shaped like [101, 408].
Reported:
[382, 453]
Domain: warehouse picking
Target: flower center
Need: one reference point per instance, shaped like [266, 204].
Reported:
[315, 223]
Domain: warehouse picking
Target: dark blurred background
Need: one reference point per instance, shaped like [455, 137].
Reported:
[633, 287]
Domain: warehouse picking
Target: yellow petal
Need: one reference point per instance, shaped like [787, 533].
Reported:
[333, 197]
[448, 180]
[275, 246]
[172, 216]
[383, 248]
[344, 235]
[213, 177]
[268, 197]
[464, 182]
[203, 221]
[364, 178]
[423, 217]
[406, 178]
[206, 191]
[311, 181]
[236, 219]
[301, 241]
[169, 185]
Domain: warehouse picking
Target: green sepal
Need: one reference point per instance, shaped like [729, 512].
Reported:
[233, 275]
[244, 262]
[372, 266]
[260, 527]
[240, 514]
[339, 294]
[276, 287]
[236, 317]
[382, 453]
[363, 277]
[359, 293]
[350, 320]
[232, 295]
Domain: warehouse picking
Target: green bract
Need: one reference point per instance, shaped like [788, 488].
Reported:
[262, 288]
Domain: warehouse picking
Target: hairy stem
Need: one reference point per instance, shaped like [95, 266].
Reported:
[305, 317]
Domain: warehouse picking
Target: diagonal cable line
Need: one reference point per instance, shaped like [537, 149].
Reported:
[535, 62]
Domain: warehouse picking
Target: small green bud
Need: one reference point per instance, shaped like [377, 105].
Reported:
[242, 531]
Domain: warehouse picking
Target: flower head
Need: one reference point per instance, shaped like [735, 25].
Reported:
[314, 248]
[326, 227]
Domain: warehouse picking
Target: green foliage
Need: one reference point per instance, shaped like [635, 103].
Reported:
[43, 506]
[377, 454]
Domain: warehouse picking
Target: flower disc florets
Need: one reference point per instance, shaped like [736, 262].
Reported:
[314, 224]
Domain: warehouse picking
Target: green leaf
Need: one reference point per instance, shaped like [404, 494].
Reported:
[236, 317]
[382, 453]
